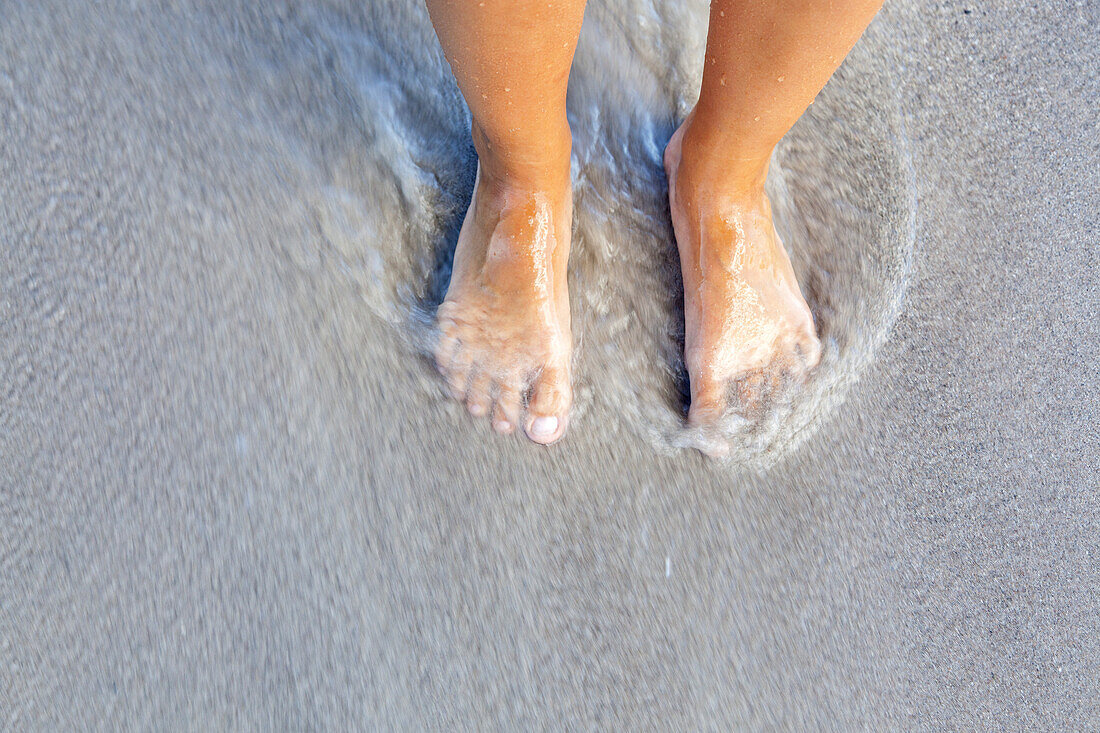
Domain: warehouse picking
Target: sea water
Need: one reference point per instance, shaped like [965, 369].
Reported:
[393, 132]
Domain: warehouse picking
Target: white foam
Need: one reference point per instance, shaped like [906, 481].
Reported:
[841, 188]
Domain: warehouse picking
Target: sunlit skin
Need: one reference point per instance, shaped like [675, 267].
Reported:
[747, 323]
[505, 343]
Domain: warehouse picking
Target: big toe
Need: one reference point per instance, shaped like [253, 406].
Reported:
[548, 408]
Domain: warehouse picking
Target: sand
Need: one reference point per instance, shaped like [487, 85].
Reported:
[231, 496]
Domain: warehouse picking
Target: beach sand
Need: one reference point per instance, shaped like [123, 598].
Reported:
[232, 496]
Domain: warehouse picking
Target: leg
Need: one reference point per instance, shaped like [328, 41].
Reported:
[504, 326]
[747, 322]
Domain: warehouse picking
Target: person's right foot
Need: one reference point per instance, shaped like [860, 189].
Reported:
[505, 343]
[747, 324]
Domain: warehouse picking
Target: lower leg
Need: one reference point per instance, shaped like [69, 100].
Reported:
[747, 322]
[766, 61]
[505, 342]
[511, 59]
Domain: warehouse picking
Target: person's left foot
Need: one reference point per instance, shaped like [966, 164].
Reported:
[747, 324]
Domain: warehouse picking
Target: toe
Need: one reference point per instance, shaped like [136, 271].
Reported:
[445, 350]
[501, 423]
[545, 430]
[810, 348]
[457, 375]
[551, 397]
[507, 408]
[715, 448]
[477, 395]
[708, 400]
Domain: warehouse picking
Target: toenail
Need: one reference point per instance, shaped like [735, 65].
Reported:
[502, 426]
[544, 427]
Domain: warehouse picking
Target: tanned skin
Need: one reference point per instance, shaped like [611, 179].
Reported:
[505, 342]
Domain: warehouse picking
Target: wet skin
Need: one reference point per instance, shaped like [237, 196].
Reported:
[505, 344]
[747, 325]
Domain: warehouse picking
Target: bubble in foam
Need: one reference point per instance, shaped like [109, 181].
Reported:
[841, 189]
[842, 194]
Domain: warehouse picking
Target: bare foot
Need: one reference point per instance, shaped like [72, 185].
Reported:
[505, 342]
[748, 326]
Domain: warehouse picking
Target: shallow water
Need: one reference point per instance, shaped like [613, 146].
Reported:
[229, 496]
[395, 172]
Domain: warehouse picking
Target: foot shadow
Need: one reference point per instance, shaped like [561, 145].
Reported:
[451, 200]
[672, 281]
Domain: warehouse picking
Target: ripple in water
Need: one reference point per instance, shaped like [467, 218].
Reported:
[841, 188]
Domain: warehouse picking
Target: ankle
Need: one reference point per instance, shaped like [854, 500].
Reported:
[711, 158]
[538, 165]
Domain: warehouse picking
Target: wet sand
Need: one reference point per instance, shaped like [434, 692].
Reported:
[231, 496]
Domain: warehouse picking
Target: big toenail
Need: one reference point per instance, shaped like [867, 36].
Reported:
[544, 427]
